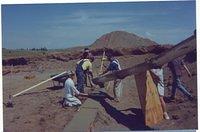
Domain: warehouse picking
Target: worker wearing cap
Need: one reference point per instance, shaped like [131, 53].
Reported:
[83, 65]
[86, 53]
[70, 91]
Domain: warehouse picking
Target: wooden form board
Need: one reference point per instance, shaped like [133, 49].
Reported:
[102, 60]
[149, 98]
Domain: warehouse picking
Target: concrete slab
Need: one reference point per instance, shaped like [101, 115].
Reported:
[83, 120]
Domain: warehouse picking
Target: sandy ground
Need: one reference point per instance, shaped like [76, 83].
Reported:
[127, 114]
[39, 109]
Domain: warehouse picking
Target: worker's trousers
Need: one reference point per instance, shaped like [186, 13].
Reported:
[80, 81]
[178, 84]
[117, 88]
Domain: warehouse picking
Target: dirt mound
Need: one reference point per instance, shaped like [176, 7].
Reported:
[154, 49]
[121, 39]
[64, 56]
[114, 52]
[15, 61]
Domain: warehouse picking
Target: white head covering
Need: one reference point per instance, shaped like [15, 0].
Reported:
[70, 73]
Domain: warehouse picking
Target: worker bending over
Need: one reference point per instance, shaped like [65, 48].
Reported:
[83, 66]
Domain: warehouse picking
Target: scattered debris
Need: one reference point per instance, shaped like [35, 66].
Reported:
[29, 77]
[9, 103]
[175, 117]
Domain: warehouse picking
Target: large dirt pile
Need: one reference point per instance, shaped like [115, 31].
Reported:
[124, 43]
[121, 39]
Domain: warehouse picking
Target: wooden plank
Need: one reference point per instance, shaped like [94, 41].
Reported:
[180, 49]
[34, 86]
[149, 98]
[6, 72]
[102, 61]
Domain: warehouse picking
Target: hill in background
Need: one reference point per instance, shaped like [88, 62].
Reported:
[121, 39]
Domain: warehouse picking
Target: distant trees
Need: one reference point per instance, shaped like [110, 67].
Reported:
[44, 49]
[36, 49]
[40, 49]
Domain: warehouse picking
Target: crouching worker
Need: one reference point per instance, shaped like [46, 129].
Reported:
[157, 75]
[114, 66]
[70, 91]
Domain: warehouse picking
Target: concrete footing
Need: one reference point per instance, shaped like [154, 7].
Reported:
[83, 120]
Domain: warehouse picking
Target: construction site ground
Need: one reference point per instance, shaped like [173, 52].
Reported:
[39, 109]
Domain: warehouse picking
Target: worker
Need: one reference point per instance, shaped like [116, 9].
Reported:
[87, 76]
[158, 78]
[87, 50]
[114, 66]
[70, 91]
[175, 67]
[86, 53]
[83, 66]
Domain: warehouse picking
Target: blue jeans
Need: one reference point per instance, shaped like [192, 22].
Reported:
[178, 84]
[80, 81]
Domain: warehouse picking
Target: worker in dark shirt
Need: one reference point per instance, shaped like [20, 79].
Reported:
[175, 67]
[115, 66]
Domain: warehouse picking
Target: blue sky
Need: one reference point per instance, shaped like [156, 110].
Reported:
[67, 25]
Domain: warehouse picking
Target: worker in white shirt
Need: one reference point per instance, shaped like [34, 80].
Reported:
[70, 91]
[157, 75]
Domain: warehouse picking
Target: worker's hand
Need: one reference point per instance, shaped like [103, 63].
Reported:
[92, 83]
[94, 86]
[104, 59]
[189, 75]
[83, 94]
[101, 74]
[156, 78]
